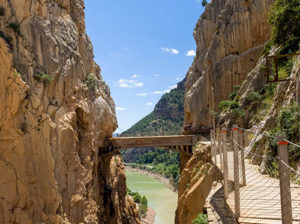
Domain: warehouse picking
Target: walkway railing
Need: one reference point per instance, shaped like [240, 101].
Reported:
[250, 193]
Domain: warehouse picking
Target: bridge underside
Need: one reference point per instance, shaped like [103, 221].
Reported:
[179, 143]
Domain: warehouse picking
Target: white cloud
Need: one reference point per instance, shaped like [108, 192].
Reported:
[178, 78]
[149, 104]
[169, 50]
[142, 94]
[173, 87]
[134, 76]
[120, 108]
[174, 51]
[129, 83]
[156, 75]
[165, 91]
[191, 53]
[159, 92]
[140, 84]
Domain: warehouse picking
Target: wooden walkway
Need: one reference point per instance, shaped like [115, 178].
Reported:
[260, 197]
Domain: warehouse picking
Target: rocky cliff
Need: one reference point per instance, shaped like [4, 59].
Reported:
[230, 37]
[194, 186]
[229, 76]
[54, 108]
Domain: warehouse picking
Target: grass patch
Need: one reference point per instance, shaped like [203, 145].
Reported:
[42, 77]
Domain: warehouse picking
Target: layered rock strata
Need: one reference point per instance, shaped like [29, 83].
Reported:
[54, 108]
[230, 37]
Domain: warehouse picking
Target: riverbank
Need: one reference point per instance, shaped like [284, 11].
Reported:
[150, 217]
[157, 176]
[160, 198]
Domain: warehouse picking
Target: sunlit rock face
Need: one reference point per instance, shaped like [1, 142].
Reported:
[195, 184]
[51, 120]
[230, 37]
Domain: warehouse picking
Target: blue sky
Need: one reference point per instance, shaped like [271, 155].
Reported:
[144, 47]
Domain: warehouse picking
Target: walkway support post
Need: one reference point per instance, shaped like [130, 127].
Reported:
[237, 207]
[242, 142]
[284, 180]
[225, 162]
[219, 147]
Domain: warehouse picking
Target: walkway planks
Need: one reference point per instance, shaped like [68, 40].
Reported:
[260, 198]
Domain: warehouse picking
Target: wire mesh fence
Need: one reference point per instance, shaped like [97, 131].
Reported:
[255, 194]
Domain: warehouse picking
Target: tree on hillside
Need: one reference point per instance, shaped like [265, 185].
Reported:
[204, 2]
[284, 18]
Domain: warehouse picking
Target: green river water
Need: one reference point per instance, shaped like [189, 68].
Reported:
[160, 198]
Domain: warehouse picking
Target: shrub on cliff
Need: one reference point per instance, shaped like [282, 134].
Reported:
[137, 198]
[200, 219]
[42, 77]
[284, 18]
[91, 82]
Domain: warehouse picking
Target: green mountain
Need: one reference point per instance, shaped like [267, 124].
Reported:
[165, 119]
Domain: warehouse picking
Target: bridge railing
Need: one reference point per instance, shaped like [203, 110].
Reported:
[249, 191]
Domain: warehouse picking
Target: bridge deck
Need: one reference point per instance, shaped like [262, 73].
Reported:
[182, 143]
[153, 141]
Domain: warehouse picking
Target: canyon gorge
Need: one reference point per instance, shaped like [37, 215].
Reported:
[55, 108]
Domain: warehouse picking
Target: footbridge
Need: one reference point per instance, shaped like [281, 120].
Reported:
[180, 143]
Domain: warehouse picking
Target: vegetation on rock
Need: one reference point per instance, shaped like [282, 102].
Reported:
[284, 18]
[254, 106]
[141, 201]
[42, 77]
[201, 219]
[288, 124]
[91, 82]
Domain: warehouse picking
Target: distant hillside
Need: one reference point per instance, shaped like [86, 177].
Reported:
[167, 117]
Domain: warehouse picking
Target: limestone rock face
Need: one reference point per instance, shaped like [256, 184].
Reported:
[194, 185]
[230, 37]
[51, 120]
